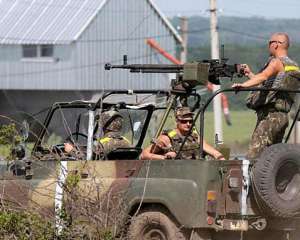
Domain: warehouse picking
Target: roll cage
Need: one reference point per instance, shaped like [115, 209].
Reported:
[172, 96]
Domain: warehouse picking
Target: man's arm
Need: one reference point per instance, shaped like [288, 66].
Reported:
[154, 151]
[212, 151]
[274, 67]
[68, 147]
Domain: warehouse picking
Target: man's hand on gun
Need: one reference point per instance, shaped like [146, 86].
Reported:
[247, 72]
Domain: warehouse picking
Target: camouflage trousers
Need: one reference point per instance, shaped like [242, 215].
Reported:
[270, 129]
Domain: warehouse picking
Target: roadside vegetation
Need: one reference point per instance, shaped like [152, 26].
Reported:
[86, 215]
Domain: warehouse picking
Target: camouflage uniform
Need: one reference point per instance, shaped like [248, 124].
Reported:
[110, 142]
[272, 109]
[191, 147]
[111, 122]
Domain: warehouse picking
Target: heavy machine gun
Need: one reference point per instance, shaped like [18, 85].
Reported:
[188, 75]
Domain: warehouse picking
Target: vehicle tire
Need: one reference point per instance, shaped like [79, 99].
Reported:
[276, 178]
[154, 225]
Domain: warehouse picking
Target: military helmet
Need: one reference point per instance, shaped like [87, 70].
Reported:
[111, 121]
[184, 113]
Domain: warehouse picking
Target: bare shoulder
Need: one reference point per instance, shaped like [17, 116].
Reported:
[277, 64]
[274, 67]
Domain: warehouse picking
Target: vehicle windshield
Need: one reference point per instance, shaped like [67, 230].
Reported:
[72, 124]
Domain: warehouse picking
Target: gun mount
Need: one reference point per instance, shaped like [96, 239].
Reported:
[188, 75]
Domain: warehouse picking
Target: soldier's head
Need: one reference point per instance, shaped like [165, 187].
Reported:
[184, 119]
[111, 121]
[278, 43]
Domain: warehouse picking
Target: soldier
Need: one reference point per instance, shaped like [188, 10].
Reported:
[271, 107]
[111, 123]
[168, 143]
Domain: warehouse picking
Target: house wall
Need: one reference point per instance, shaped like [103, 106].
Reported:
[17, 73]
[121, 27]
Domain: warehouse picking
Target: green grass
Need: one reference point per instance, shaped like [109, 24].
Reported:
[237, 135]
[4, 151]
[243, 123]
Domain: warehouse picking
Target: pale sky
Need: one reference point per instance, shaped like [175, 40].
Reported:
[242, 8]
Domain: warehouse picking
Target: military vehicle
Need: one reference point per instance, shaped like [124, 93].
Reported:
[163, 199]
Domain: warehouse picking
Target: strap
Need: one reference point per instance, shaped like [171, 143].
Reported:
[105, 140]
[195, 131]
[289, 68]
[124, 138]
[172, 133]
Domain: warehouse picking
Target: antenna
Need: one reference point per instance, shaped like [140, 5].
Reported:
[223, 58]
[124, 59]
[222, 51]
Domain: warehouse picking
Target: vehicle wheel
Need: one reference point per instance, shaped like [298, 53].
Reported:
[276, 177]
[154, 225]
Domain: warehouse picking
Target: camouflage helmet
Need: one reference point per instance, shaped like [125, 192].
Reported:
[111, 121]
[184, 113]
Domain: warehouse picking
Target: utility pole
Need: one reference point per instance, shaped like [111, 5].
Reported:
[184, 36]
[215, 55]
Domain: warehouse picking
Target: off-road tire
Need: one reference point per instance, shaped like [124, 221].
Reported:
[154, 225]
[276, 178]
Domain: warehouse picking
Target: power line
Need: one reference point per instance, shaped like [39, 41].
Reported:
[125, 39]
[244, 34]
[78, 67]
[224, 10]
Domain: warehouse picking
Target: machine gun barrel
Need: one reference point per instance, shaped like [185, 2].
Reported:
[148, 68]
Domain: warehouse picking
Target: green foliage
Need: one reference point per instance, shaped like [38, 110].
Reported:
[9, 135]
[72, 180]
[24, 225]
[9, 138]
[107, 235]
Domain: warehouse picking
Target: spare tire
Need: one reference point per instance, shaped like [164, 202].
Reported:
[276, 179]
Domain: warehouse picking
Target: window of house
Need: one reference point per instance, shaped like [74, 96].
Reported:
[30, 51]
[37, 51]
[46, 50]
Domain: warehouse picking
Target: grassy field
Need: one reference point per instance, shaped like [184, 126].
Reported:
[237, 135]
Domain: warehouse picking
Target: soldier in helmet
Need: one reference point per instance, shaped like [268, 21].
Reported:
[168, 143]
[111, 124]
[271, 107]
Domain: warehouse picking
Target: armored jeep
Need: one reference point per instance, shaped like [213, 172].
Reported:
[147, 199]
